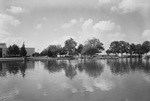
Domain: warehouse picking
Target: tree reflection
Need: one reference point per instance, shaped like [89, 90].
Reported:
[70, 71]
[57, 66]
[92, 68]
[54, 66]
[123, 66]
[15, 67]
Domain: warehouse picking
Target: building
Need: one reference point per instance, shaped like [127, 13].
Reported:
[30, 51]
[3, 49]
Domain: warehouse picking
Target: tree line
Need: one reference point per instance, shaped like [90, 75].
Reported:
[94, 45]
[14, 50]
[123, 47]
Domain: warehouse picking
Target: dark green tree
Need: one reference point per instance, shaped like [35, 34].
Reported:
[70, 45]
[115, 47]
[13, 50]
[124, 47]
[132, 49]
[53, 50]
[92, 47]
[23, 51]
[146, 46]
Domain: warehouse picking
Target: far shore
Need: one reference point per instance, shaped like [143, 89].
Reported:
[57, 58]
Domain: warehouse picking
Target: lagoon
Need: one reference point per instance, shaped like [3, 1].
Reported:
[122, 79]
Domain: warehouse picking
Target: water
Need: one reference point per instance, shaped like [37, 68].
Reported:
[75, 80]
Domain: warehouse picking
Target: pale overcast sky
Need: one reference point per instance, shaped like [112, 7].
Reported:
[40, 23]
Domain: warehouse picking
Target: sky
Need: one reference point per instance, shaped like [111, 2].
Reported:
[40, 23]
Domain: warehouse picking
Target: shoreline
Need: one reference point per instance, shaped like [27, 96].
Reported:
[49, 58]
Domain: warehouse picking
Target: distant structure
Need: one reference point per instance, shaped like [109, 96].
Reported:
[3, 50]
[30, 51]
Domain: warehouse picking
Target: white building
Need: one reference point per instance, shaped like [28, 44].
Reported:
[30, 51]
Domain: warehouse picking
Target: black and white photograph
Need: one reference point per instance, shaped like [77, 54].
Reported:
[74, 50]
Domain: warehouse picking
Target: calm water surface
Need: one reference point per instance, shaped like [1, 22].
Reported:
[75, 80]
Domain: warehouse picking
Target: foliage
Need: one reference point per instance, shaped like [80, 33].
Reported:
[80, 48]
[92, 47]
[70, 45]
[23, 51]
[52, 51]
[146, 46]
[13, 50]
[114, 47]
[117, 47]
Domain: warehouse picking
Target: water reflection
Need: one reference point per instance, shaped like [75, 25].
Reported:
[75, 80]
[72, 68]
[57, 66]
[92, 68]
[15, 68]
[123, 66]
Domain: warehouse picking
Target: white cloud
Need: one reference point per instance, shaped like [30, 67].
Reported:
[105, 30]
[70, 24]
[44, 18]
[12, 40]
[60, 41]
[104, 85]
[7, 20]
[16, 10]
[125, 6]
[106, 26]
[146, 34]
[87, 24]
[101, 2]
[38, 26]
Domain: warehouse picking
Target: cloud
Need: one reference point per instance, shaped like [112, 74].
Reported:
[38, 26]
[60, 41]
[105, 30]
[104, 85]
[87, 24]
[101, 2]
[70, 24]
[125, 6]
[106, 26]
[146, 34]
[7, 20]
[12, 40]
[44, 18]
[16, 10]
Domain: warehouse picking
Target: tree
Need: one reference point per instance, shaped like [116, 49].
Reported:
[53, 50]
[139, 50]
[92, 47]
[124, 47]
[146, 46]
[132, 49]
[115, 47]
[62, 51]
[13, 50]
[108, 51]
[10, 50]
[70, 45]
[80, 48]
[23, 51]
